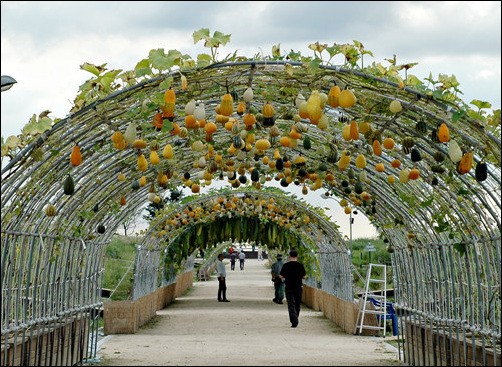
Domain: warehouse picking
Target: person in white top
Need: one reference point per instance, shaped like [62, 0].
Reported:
[260, 254]
[221, 274]
[242, 256]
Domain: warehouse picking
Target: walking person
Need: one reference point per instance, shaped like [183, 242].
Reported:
[242, 256]
[233, 257]
[221, 275]
[278, 282]
[293, 272]
[260, 254]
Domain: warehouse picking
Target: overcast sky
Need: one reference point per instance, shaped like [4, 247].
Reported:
[44, 43]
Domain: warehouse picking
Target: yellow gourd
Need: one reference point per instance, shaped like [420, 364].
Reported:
[354, 133]
[142, 163]
[333, 95]
[227, 105]
[361, 161]
[347, 98]
[465, 164]
[377, 147]
[154, 158]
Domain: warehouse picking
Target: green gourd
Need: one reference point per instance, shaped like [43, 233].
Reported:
[69, 185]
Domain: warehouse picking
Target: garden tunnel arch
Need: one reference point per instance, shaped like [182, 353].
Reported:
[251, 215]
[443, 228]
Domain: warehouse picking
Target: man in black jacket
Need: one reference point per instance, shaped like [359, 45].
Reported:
[293, 272]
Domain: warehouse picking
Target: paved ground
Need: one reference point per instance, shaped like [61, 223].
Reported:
[197, 330]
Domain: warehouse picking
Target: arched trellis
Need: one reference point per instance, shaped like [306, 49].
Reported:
[443, 227]
[320, 238]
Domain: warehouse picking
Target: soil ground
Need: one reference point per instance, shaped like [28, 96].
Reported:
[250, 330]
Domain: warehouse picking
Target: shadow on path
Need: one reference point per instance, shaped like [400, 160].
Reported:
[197, 330]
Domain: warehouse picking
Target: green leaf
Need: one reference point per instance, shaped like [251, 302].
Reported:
[480, 104]
[463, 191]
[220, 38]
[461, 248]
[159, 60]
[91, 68]
[201, 34]
[203, 59]
[314, 64]
[166, 84]
[428, 202]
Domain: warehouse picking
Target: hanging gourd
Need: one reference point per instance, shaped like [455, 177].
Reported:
[142, 163]
[333, 95]
[210, 128]
[249, 119]
[262, 144]
[465, 164]
[241, 108]
[361, 161]
[200, 112]
[130, 133]
[50, 210]
[346, 99]
[122, 200]
[306, 142]
[69, 185]
[191, 122]
[248, 95]
[227, 105]
[396, 163]
[184, 82]
[454, 151]
[154, 158]
[415, 155]
[139, 144]
[346, 132]
[354, 132]
[314, 107]
[395, 106]
[323, 122]
[404, 175]
[443, 133]
[380, 167]
[76, 156]
[142, 181]
[158, 121]
[481, 172]
[377, 147]
[169, 104]
[268, 114]
[414, 174]
[388, 143]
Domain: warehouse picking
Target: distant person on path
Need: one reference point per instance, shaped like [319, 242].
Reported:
[233, 257]
[242, 256]
[221, 275]
[260, 254]
[293, 272]
[278, 282]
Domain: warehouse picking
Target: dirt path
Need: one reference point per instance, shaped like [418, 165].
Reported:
[197, 330]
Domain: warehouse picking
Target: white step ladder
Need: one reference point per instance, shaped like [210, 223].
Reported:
[381, 312]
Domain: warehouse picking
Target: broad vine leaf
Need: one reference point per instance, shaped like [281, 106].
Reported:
[33, 127]
[91, 68]
[480, 104]
[412, 80]
[217, 39]
[201, 34]
[318, 47]
[143, 68]
[159, 60]
[203, 59]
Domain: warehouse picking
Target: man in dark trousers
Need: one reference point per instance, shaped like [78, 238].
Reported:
[293, 272]
[221, 275]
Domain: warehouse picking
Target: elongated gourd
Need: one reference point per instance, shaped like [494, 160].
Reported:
[227, 105]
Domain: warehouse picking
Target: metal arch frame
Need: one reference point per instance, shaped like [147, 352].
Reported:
[482, 243]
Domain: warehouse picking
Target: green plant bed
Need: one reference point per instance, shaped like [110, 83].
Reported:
[119, 258]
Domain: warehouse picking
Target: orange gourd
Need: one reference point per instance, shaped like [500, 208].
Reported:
[380, 167]
[170, 101]
[76, 156]
[241, 108]
[377, 147]
[249, 119]
[158, 120]
[354, 132]
[190, 122]
[122, 200]
[227, 105]
[210, 128]
[414, 174]
[465, 163]
[443, 133]
[388, 143]
[333, 95]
